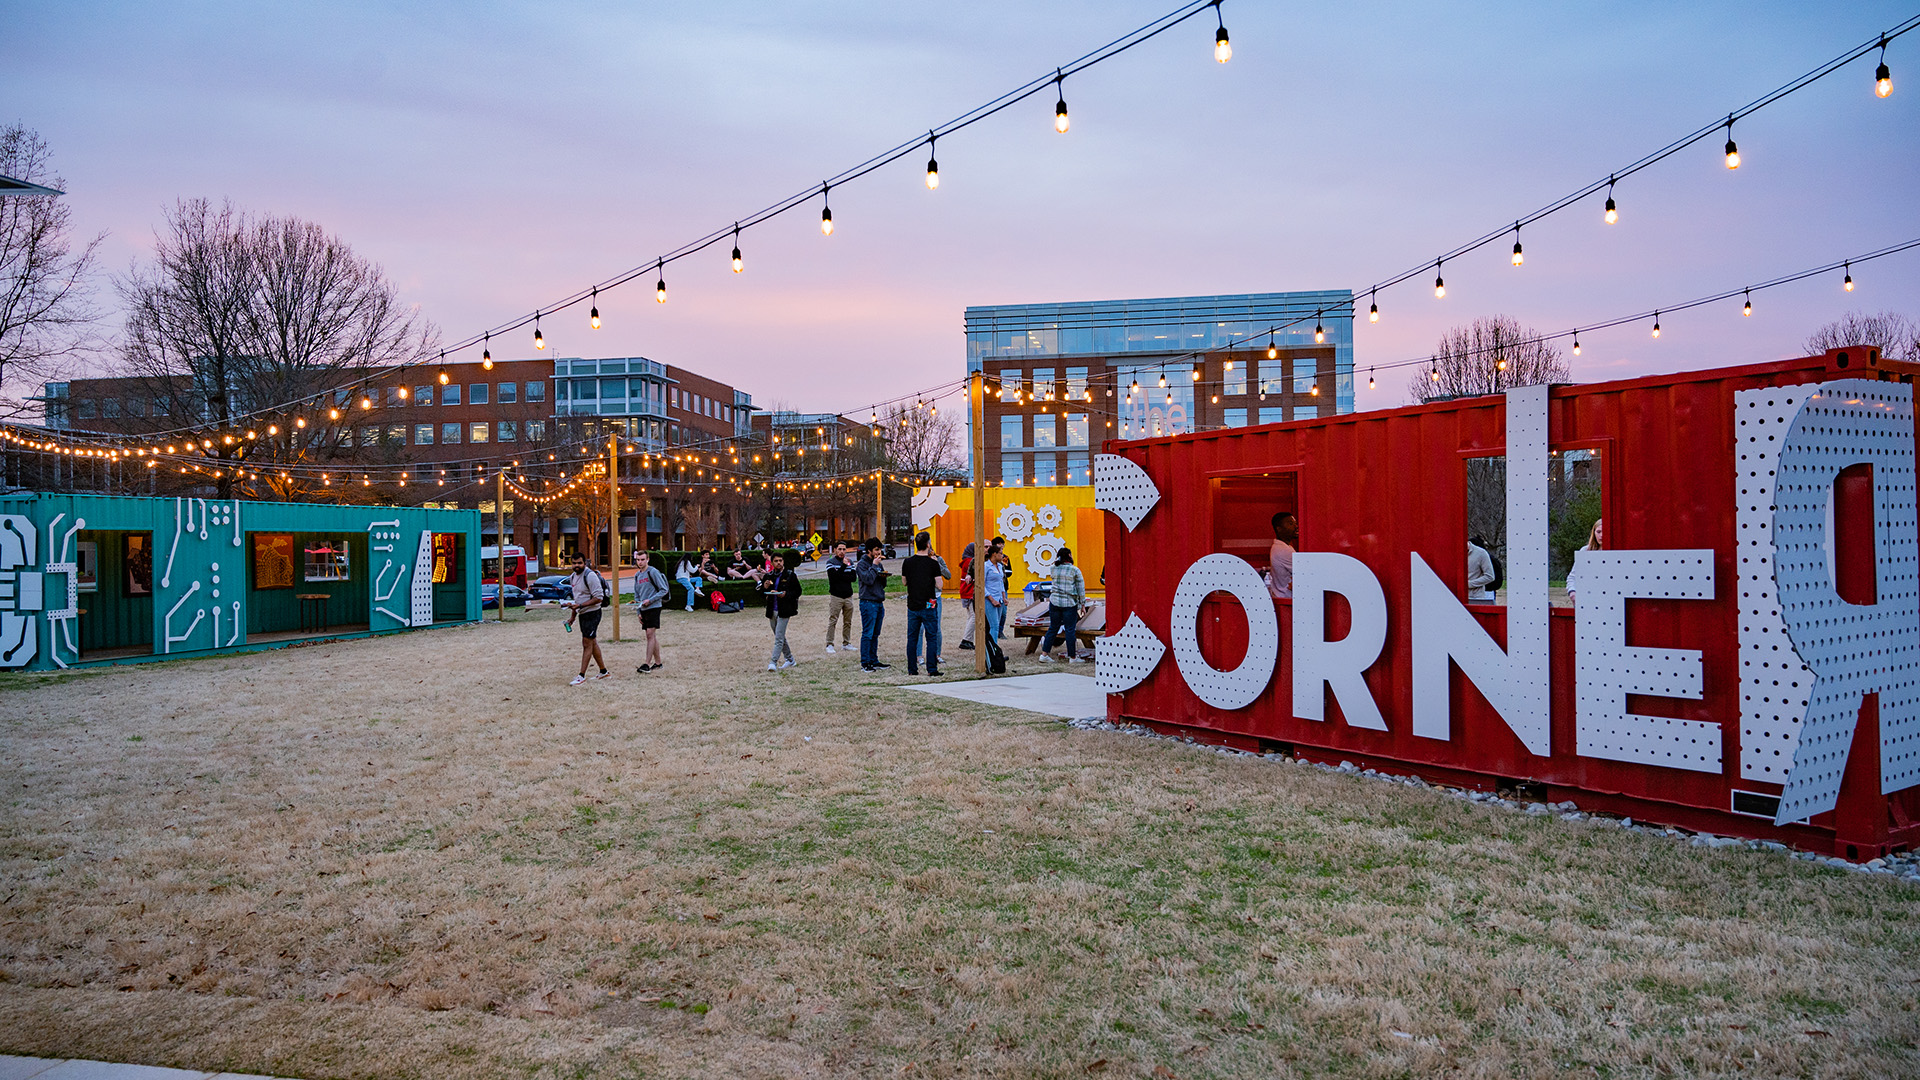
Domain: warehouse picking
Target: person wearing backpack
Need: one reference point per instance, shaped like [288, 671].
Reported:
[649, 593]
[1482, 575]
[782, 589]
[589, 597]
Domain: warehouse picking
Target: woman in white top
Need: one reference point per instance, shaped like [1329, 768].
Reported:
[1596, 541]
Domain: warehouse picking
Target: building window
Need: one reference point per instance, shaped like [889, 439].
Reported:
[1273, 379]
[450, 394]
[536, 391]
[536, 431]
[330, 559]
[509, 431]
[509, 393]
[423, 434]
[396, 434]
[477, 393]
[1303, 382]
[584, 390]
[1235, 381]
[1043, 385]
[1273, 415]
[111, 406]
[1076, 383]
[84, 409]
[344, 438]
[1046, 431]
[1012, 435]
[1010, 384]
[1046, 470]
[369, 436]
[613, 388]
[1077, 472]
[423, 395]
[1013, 471]
[394, 400]
[1233, 417]
[1077, 429]
[449, 433]
[477, 431]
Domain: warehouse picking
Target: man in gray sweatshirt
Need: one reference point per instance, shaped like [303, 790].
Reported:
[649, 593]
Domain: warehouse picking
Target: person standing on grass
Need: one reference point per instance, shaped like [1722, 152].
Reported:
[782, 589]
[1066, 604]
[872, 575]
[993, 588]
[924, 576]
[968, 574]
[841, 580]
[589, 597]
[649, 593]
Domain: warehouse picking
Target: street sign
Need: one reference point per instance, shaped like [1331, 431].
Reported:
[815, 539]
[759, 538]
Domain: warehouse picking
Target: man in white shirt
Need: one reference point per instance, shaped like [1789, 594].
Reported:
[1480, 572]
[1286, 534]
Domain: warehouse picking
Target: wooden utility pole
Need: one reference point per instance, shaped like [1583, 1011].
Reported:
[500, 538]
[977, 408]
[880, 504]
[613, 526]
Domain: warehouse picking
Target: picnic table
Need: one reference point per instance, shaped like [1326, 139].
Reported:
[1031, 623]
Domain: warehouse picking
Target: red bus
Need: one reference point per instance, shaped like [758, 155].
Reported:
[516, 565]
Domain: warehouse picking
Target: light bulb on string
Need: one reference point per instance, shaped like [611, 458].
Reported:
[1439, 282]
[1223, 49]
[1747, 308]
[1576, 343]
[1370, 383]
[539, 341]
[1882, 75]
[486, 350]
[1373, 308]
[1315, 392]
[1060, 107]
[593, 311]
[1196, 374]
[442, 376]
[1273, 351]
[738, 265]
[1519, 259]
[1656, 324]
[933, 164]
[1319, 332]
[1613, 212]
[826, 211]
[1848, 283]
[660, 287]
[1733, 152]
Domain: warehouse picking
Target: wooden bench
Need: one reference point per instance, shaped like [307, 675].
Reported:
[1031, 624]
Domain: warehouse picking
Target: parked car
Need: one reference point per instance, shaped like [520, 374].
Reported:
[490, 596]
[550, 587]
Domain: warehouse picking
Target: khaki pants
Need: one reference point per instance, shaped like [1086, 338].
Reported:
[840, 610]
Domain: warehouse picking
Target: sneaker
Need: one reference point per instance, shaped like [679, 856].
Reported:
[643, 669]
[772, 667]
[829, 646]
[932, 674]
[881, 663]
[1081, 659]
[868, 667]
[577, 680]
[788, 662]
[1044, 656]
[966, 644]
[604, 675]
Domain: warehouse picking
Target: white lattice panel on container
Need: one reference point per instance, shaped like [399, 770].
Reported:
[1528, 679]
[1230, 574]
[1124, 488]
[1852, 649]
[1774, 684]
[1124, 660]
[422, 596]
[1608, 669]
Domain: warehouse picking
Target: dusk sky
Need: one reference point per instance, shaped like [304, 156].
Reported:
[494, 157]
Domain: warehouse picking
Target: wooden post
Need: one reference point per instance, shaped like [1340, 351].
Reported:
[977, 403]
[500, 539]
[613, 526]
[880, 505]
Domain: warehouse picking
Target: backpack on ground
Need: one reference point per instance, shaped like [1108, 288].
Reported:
[996, 659]
[718, 601]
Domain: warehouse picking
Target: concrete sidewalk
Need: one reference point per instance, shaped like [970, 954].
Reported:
[21, 1068]
[1070, 697]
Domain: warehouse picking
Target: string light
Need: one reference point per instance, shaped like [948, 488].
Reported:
[539, 342]
[1848, 283]
[1656, 324]
[1439, 283]
[1370, 378]
[1518, 258]
[1060, 108]
[486, 351]
[660, 287]
[1273, 351]
[1882, 75]
[1196, 374]
[1733, 152]
[1319, 332]
[1576, 342]
[593, 313]
[1373, 309]
[1747, 308]
[1223, 49]
[738, 265]
[443, 368]
[826, 212]
[933, 164]
[1613, 212]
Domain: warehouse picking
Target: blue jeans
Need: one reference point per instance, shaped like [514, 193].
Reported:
[871, 614]
[996, 621]
[923, 622]
[693, 589]
[1062, 622]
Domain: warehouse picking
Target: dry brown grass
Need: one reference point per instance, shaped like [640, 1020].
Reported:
[427, 856]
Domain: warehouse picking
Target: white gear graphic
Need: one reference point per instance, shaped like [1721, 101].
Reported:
[1016, 522]
[1048, 517]
[1041, 551]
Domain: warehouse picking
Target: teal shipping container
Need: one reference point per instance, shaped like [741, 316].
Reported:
[90, 579]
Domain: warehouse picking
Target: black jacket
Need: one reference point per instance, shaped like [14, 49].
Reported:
[841, 578]
[783, 594]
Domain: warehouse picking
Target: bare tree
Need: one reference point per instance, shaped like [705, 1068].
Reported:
[1896, 336]
[236, 315]
[1489, 356]
[45, 314]
[922, 443]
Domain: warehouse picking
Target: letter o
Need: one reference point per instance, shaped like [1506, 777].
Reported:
[1232, 575]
